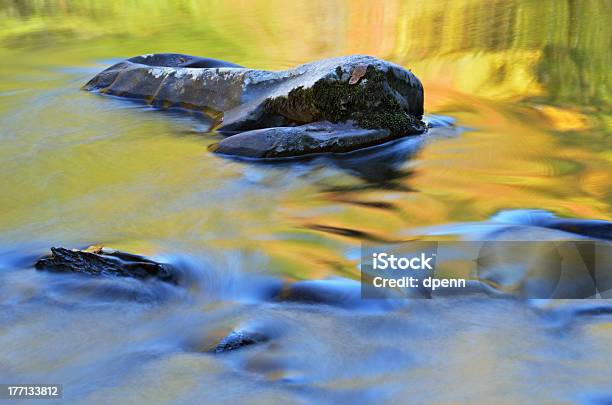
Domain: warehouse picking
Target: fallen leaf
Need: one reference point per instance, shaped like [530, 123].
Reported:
[94, 249]
[358, 73]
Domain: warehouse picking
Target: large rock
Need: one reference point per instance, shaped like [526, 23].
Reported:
[348, 102]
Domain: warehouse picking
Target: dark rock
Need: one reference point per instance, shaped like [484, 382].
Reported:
[237, 340]
[323, 137]
[98, 261]
[370, 100]
[335, 292]
[591, 228]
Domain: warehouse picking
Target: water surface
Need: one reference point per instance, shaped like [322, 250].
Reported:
[527, 86]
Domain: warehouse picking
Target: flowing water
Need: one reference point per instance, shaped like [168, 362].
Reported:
[526, 84]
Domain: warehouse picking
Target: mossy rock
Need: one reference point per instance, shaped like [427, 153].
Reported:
[332, 105]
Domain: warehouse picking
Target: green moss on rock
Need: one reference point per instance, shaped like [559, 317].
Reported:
[369, 103]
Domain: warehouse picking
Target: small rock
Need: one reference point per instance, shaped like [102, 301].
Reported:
[100, 261]
[237, 340]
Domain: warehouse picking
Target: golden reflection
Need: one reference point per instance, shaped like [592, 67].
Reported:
[528, 80]
[564, 119]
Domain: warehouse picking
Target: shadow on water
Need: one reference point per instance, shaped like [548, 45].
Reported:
[381, 166]
[378, 166]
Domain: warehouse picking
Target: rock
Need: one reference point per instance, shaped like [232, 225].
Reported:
[591, 228]
[99, 261]
[237, 340]
[526, 225]
[332, 105]
[534, 254]
[336, 292]
[323, 137]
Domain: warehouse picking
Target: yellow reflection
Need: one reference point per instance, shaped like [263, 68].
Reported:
[530, 79]
[563, 119]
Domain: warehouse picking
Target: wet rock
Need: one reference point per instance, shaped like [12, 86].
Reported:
[536, 254]
[336, 292]
[332, 105]
[99, 261]
[591, 228]
[331, 292]
[237, 340]
[527, 224]
[323, 137]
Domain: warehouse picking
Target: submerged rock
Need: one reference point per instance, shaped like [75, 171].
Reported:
[98, 261]
[591, 228]
[535, 254]
[526, 224]
[332, 105]
[238, 339]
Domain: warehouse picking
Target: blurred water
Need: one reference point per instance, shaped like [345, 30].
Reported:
[527, 87]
